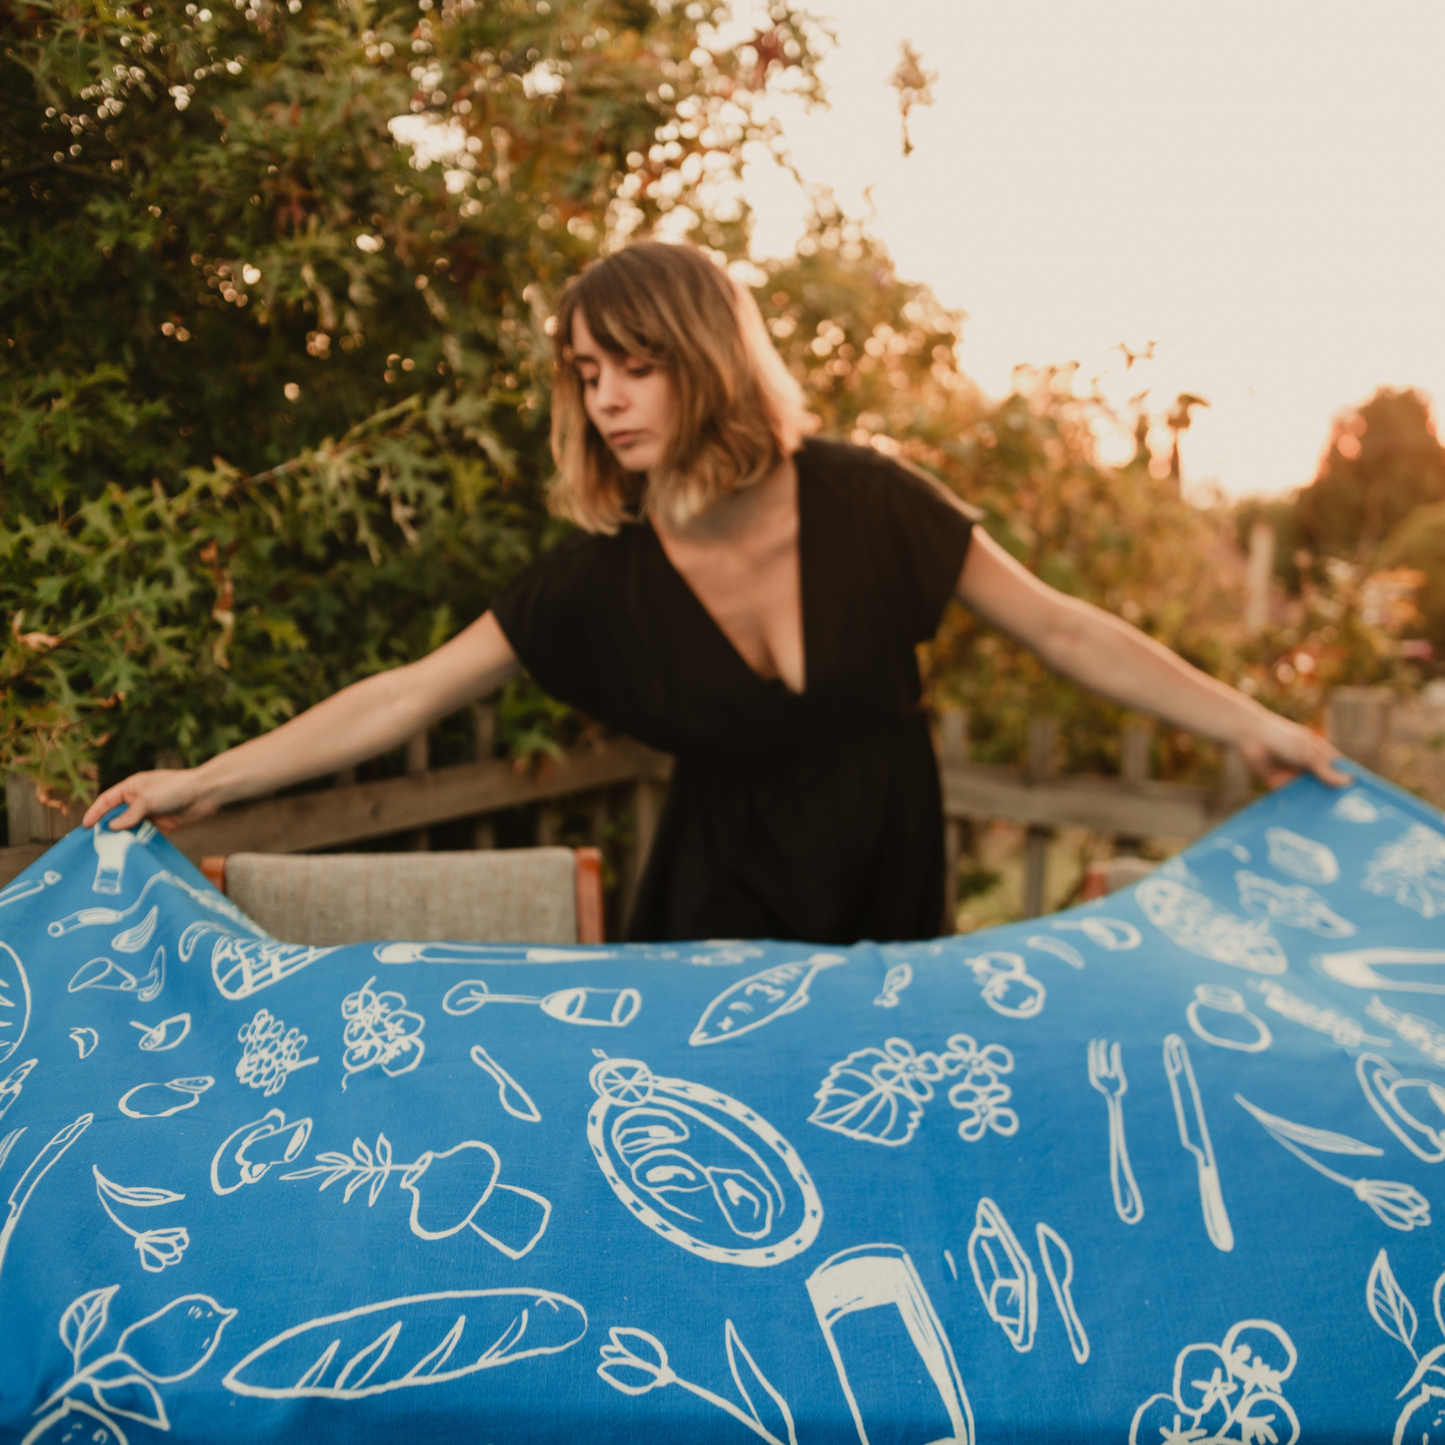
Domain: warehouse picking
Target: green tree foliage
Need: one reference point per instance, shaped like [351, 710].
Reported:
[1418, 542]
[1382, 462]
[272, 280]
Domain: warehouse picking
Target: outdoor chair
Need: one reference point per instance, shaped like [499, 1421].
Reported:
[514, 895]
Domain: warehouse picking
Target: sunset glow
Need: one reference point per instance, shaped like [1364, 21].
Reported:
[1255, 189]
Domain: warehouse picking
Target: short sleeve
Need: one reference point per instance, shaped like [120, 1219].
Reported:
[544, 613]
[921, 534]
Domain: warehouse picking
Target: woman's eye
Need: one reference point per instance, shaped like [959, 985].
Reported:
[640, 370]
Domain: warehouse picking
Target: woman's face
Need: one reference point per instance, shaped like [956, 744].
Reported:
[627, 398]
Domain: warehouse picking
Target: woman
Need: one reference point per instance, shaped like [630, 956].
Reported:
[749, 600]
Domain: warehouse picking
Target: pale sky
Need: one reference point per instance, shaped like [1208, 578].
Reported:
[1258, 188]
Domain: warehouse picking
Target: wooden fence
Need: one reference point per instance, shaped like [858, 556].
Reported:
[621, 779]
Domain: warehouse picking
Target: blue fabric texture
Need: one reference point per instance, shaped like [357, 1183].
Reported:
[1165, 1167]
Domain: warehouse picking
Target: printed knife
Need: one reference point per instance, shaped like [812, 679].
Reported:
[1211, 1198]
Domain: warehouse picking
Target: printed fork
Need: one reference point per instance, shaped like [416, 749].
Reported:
[1106, 1074]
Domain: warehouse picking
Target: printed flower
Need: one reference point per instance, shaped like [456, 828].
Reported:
[618, 1359]
[160, 1247]
[982, 1105]
[963, 1052]
[1401, 1206]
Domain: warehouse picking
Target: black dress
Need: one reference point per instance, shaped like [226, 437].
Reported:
[814, 817]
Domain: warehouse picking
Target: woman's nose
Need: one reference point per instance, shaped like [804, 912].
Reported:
[609, 391]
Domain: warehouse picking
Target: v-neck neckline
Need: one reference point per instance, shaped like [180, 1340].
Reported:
[776, 683]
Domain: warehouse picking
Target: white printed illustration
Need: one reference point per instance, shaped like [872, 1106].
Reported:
[898, 977]
[103, 973]
[14, 1001]
[1008, 987]
[34, 1173]
[1047, 943]
[1301, 857]
[1382, 1084]
[1345, 1031]
[270, 1053]
[24, 887]
[1061, 1279]
[485, 953]
[13, 1083]
[248, 1153]
[1401, 1206]
[85, 1041]
[699, 1168]
[1005, 1276]
[162, 1037]
[241, 966]
[1232, 1392]
[752, 1002]
[97, 916]
[876, 1095]
[1390, 1308]
[169, 1345]
[634, 1362]
[111, 850]
[1194, 1136]
[157, 1247]
[441, 1182]
[510, 1094]
[1194, 922]
[1296, 905]
[1106, 1074]
[1229, 1002]
[1115, 934]
[605, 1008]
[1411, 870]
[399, 1344]
[380, 1029]
[159, 1101]
[135, 938]
[882, 1276]
[1356, 807]
[1360, 968]
[1419, 1033]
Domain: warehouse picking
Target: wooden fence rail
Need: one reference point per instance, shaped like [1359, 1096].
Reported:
[1130, 807]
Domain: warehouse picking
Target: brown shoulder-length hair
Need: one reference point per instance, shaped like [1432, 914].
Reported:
[738, 409]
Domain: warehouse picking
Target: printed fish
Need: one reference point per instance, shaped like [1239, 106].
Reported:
[752, 1002]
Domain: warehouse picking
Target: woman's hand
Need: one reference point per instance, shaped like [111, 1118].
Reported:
[1278, 749]
[169, 797]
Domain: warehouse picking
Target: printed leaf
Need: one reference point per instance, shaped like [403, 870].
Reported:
[177, 1340]
[141, 1197]
[85, 1319]
[1302, 1134]
[735, 1347]
[133, 1397]
[362, 1153]
[1389, 1305]
[383, 1163]
[1439, 1312]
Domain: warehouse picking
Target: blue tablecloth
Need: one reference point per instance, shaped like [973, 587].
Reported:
[1163, 1168]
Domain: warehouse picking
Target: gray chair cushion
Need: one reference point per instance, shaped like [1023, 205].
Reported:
[515, 895]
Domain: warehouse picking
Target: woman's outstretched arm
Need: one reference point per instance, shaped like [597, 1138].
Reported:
[1104, 653]
[359, 722]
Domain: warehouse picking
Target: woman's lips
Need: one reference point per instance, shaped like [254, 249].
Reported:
[625, 438]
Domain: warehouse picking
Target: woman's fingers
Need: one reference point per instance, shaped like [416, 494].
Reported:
[168, 796]
[1283, 750]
